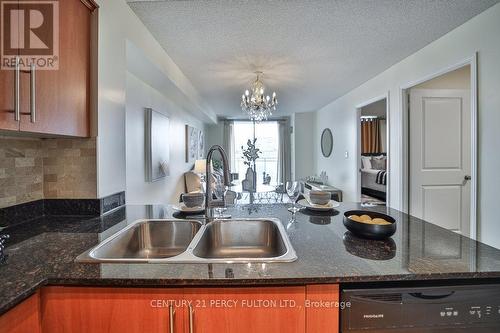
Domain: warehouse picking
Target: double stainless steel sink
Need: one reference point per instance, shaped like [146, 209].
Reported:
[190, 241]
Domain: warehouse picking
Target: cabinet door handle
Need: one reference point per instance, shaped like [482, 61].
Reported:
[17, 73]
[33, 93]
[171, 316]
[191, 319]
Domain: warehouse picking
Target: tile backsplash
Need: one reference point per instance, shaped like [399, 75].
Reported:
[69, 169]
[32, 169]
[21, 170]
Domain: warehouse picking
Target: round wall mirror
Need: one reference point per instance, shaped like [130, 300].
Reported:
[326, 142]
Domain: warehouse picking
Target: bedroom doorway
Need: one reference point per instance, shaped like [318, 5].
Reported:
[373, 144]
[441, 150]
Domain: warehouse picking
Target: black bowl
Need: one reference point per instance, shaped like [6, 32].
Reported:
[370, 231]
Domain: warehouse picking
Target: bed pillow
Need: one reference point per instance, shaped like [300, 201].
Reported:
[379, 162]
[366, 162]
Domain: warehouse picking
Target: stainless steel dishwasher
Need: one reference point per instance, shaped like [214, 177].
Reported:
[473, 308]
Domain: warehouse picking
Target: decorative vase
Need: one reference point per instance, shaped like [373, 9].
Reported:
[250, 181]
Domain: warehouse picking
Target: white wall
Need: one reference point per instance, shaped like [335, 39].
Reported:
[339, 169]
[303, 153]
[457, 79]
[117, 26]
[214, 134]
[480, 35]
[140, 95]
[378, 109]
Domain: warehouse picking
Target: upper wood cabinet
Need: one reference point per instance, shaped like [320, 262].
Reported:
[24, 318]
[7, 120]
[50, 101]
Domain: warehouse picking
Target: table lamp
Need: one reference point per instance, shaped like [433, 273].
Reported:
[200, 167]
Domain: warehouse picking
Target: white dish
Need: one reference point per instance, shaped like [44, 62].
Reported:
[181, 207]
[329, 206]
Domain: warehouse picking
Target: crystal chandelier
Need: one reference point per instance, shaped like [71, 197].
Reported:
[255, 104]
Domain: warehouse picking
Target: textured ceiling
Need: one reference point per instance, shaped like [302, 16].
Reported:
[311, 52]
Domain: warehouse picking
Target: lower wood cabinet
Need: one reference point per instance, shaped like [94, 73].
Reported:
[109, 310]
[297, 309]
[24, 318]
[322, 314]
[247, 310]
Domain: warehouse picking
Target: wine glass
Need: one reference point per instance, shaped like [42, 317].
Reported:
[293, 192]
[220, 190]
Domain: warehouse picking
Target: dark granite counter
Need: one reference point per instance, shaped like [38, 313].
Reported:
[42, 252]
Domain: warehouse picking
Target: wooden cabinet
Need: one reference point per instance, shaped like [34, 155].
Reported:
[24, 318]
[54, 101]
[7, 119]
[7, 87]
[110, 310]
[297, 309]
[321, 313]
[247, 310]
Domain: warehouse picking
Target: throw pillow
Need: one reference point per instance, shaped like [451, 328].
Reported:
[366, 162]
[379, 162]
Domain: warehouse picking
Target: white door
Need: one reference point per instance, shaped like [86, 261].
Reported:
[440, 157]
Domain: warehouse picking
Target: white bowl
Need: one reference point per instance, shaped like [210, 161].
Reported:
[319, 197]
[193, 199]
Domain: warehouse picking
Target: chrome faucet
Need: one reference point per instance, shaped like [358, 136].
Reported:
[208, 178]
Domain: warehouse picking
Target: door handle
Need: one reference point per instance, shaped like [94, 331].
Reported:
[171, 318]
[33, 93]
[191, 319]
[466, 179]
[17, 73]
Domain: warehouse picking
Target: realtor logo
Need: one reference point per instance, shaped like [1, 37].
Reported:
[30, 31]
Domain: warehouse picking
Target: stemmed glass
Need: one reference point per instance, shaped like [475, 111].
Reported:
[293, 192]
[220, 190]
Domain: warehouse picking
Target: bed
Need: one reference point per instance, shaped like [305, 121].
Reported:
[373, 180]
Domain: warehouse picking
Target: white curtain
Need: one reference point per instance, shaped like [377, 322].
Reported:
[228, 142]
[284, 151]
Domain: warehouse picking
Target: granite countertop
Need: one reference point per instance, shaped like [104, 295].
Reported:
[42, 252]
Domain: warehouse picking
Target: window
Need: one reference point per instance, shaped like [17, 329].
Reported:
[267, 135]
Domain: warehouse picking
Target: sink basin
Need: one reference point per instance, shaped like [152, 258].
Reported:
[147, 239]
[241, 239]
[182, 241]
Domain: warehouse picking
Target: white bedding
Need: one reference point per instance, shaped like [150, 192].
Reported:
[368, 180]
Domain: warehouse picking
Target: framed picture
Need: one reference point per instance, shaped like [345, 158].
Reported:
[191, 144]
[201, 145]
[195, 144]
[157, 148]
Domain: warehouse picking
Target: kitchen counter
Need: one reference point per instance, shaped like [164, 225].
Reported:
[42, 252]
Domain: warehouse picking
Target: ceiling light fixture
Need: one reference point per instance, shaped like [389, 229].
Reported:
[258, 106]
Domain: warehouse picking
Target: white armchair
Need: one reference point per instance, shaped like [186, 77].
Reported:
[193, 182]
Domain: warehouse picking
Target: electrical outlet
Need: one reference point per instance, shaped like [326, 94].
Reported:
[346, 155]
